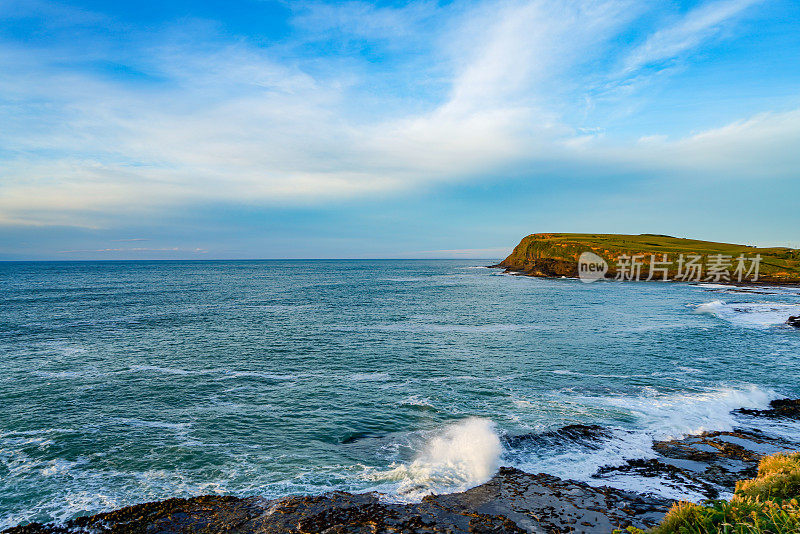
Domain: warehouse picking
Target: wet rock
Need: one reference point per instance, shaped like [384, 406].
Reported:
[778, 408]
[544, 503]
[707, 464]
[591, 436]
[512, 502]
[794, 321]
[198, 514]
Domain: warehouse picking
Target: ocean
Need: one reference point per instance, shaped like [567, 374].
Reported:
[125, 382]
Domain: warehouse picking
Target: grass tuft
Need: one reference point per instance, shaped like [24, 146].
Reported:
[778, 479]
[767, 504]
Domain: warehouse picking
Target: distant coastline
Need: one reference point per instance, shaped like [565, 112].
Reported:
[654, 257]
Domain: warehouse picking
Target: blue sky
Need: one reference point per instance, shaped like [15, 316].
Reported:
[260, 129]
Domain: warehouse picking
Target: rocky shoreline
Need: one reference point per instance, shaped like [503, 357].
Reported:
[511, 502]
[731, 286]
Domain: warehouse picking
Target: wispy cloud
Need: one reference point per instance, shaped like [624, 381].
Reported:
[216, 119]
[759, 147]
[698, 25]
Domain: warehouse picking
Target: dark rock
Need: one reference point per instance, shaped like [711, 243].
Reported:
[707, 464]
[512, 502]
[198, 514]
[778, 408]
[591, 436]
[794, 321]
[670, 475]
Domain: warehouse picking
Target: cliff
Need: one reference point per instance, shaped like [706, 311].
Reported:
[556, 255]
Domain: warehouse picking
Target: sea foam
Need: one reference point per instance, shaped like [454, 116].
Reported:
[749, 314]
[657, 417]
[458, 457]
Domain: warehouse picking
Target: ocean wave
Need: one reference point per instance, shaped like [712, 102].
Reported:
[749, 314]
[83, 490]
[467, 453]
[415, 400]
[765, 290]
[225, 374]
[164, 370]
[453, 458]
[231, 375]
[59, 374]
[460, 456]
[714, 286]
[655, 417]
[84, 486]
[471, 378]
[456, 328]
[368, 377]
[677, 370]
[678, 415]
[567, 372]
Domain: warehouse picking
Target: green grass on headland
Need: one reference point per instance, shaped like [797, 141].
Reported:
[557, 254]
[767, 504]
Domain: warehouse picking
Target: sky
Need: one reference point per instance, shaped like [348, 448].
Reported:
[293, 129]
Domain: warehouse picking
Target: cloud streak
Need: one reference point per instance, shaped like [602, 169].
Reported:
[698, 25]
[225, 120]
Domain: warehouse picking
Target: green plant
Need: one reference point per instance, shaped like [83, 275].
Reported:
[767, 504]
[778, 478]
[741, 515]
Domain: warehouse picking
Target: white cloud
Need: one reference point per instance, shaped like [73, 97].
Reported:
[227, 121]
[762, 147]
[696, 26]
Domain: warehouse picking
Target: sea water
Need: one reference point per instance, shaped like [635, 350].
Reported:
[124, 382]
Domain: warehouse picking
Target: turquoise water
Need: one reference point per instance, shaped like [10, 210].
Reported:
[124, 382]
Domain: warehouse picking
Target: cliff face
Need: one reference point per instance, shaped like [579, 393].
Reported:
[557, 255]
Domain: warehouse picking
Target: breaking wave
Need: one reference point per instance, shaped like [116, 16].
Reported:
[577, 452]
[460, 456]
[749, 314]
